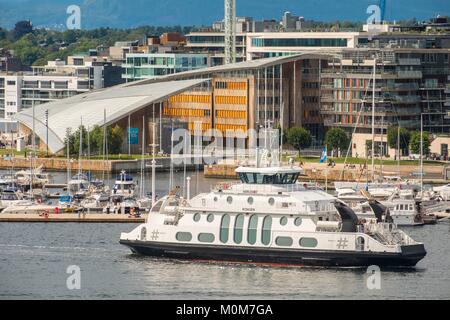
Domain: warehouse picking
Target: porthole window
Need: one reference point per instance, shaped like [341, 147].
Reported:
[197, 217]
[271, 201]
[210, 218]
[206, 237]
[230, 200]
[250, 200]
[308, 242]
[283, 221]
[284, 241]
[216, 199]
[298, 222]
[184, 236]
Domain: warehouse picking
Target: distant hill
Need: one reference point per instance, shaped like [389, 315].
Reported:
[133, 13]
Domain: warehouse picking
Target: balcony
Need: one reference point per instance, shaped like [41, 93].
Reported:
[409, 74]
[405, 99]
[409, 62]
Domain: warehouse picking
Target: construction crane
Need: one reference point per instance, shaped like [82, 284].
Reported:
[230, 31]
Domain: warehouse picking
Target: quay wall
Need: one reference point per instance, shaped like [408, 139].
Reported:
[115, 166]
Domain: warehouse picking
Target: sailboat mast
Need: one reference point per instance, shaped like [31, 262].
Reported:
[373, 117]
[142, 188]
[421, 153]
[398, 150]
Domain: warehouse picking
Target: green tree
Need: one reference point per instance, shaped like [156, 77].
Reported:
[299, 138]
[3, 34]
[337, 139]
[414, 145]
[22, 28]
[115, 140]
[96, 138]
[392, 137]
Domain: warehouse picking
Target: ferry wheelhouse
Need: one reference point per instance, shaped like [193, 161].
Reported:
[269, 218]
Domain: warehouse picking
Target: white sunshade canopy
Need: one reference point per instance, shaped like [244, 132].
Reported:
[118, 102]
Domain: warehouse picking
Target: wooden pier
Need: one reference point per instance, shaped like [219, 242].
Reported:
[72, 218]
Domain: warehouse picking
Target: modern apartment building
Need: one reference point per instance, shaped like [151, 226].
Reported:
[408, 83]
[140, 66]
[213, 44]
[269, 44]
[55, 81]
[212, 40]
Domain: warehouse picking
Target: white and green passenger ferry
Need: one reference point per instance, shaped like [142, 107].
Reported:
[269, 218]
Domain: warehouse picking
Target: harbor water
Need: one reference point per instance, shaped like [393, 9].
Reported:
[34, 260]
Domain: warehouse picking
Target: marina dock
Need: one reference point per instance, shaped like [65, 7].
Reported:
[72, 217]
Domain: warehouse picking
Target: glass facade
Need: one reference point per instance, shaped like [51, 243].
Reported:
[148, 66]
[313, 42]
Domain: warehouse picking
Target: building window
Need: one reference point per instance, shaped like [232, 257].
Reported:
[184, 236]
[224, 228]
[308, 242]
[206, 237]
[266, 230]
[238, 228]
[252, 229]
[284, 241]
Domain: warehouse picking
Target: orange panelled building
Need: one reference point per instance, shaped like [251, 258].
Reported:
[224, 105]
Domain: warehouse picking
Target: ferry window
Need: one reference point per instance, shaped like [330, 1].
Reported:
[238, 226]
[197, 217]
[283, 221]
[184, 236]
[243, 177]
[308, 242]
[230, 200]
[206, 237]
[250, 200]
[266, 230]
[157, 206]
[210, 218]
[271, 201]
[298, 222]
[224, 228]
[284, 241]
[252, 229]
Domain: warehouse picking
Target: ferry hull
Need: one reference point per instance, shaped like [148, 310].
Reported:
[409, 256]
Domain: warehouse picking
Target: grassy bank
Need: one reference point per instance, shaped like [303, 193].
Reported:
[360, 161]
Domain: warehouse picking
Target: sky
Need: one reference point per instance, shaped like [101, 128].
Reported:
[133, 13]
